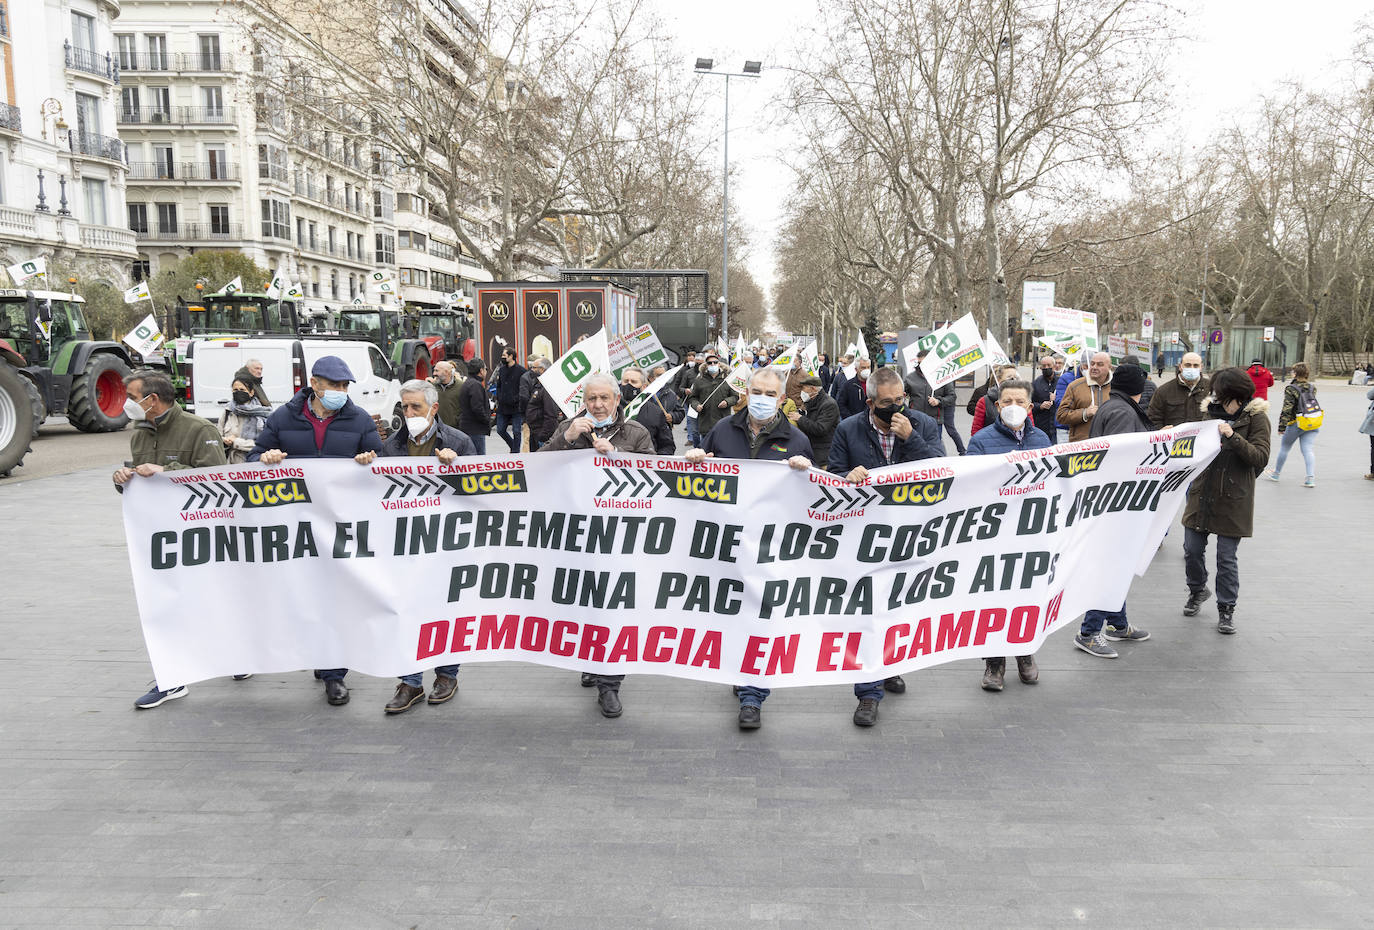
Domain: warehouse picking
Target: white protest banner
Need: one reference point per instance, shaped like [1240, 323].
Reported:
[732, 571]
[645, 347]
[1116, 347]
[909, 353]
[649, 393]
[145, 337]
[1063, 331]
[810, 355]
[22, 271]
[783, 360]
[996, 355]
[737, 353]
[564, 378]
[1036, 297]
[1139, 348]
[738, 378]
[957, 350]
[618, 355]
[138, 292]
[383, 281]
[1088, 325]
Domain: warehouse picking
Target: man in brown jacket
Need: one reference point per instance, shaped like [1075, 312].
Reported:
[1085, 395]
[1180, 401]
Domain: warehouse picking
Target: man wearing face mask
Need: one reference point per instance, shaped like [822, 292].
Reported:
[164, 437]
[884, 433]
[423, 434]
[1011, 431]
[711, 397]
[321, 422]
[759, 431]
[1179, 400]
[984, 410]
[652, 415]
[1120, 413]
[602, 426]
[938, 403]
[1085, 395]
[510, 408]
[817, 418]
[853, 396]
[474, 410]
[1042, 397]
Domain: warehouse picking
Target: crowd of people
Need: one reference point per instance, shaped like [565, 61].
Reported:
[848, 418]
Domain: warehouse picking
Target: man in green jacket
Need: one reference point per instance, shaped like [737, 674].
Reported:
[448, 384]
[164, 438]
[711, 396]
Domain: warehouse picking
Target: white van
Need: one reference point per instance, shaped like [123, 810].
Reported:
[285, 370]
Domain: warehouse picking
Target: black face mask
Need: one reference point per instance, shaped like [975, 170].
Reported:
[629, 392]
[242, 397]
[1048, 373]
[888, 412]
[1218, 412]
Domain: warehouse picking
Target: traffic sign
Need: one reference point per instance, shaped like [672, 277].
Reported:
[1215, 337]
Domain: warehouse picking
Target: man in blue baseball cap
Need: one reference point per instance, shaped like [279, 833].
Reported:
[321, 422]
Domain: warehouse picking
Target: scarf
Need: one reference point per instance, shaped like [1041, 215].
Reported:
[253, 414]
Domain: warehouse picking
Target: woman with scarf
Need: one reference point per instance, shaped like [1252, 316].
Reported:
[241, 422]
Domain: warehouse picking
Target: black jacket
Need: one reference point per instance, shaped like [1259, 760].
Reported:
[826, 377]
[1041, 391]
[856, 443]
[448, 438]
[852, 397]
[542, 413]
[474, 412]
[818, 421]
[350, 431]
[730, 439]
[508, 390]
[651, 416]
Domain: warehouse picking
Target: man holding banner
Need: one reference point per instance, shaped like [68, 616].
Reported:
[711, 397]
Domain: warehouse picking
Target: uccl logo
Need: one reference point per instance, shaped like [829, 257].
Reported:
[1182, 448]
[1161, 452]
[715, 489]
[1077, 463]
[272, 493]
[511, 481]
[917, 493]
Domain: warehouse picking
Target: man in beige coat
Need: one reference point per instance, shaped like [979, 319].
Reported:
[1085, 395]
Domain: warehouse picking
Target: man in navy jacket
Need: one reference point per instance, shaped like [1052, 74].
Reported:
[884, 433]
[321, 422]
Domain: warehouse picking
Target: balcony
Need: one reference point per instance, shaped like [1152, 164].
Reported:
[99, 64]
[97, 146]
[183, 171]
[192, 232]
[208, 62]
[16, 222]
[176, 116]
[192, 62]
[107, 239]
[9, 117]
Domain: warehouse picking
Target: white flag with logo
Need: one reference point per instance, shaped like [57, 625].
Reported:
[145, 337]
[647, 395]
[958, 350]
[384, 282]
[738, 379]
[136, 293]
[24, 270]
[996, 354]
[233, 287]
[564, 378]
[861, 347]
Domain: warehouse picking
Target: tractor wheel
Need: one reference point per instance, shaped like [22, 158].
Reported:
[97, 401]
[40, 410]
[16, 422]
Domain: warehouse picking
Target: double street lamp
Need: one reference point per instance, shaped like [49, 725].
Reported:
[751, 70]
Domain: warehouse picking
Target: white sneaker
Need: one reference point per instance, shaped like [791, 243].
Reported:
[1310, 483]
[1272, 475]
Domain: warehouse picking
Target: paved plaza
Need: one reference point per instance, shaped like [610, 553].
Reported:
[1199, 780]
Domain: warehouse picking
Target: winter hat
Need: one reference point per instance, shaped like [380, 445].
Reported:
[1128, 380]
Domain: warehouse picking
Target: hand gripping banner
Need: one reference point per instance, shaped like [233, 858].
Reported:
[728, 571]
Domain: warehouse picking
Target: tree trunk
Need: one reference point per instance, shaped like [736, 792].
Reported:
[997, 284]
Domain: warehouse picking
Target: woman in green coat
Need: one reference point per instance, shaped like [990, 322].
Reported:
[1221, 500]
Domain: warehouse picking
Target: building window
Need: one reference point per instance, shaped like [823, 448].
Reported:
[300, 231]
[167, 218]
[138, 217]
[386, 249]
[163, 156]
[352, 287]
[161, 100]
[314, 237]
[209, 53]
[411, 240]
[219, 219]
[272, 162]
[416, 277]
[87, 114]
[334, 284]
[128, 105]
[214, 102]
[83, 32]
[276, 219]
[157, 52]
[216, 163]
[141, 270]
[94, 190]
[128, 52]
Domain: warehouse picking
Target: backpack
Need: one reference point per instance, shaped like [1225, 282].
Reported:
[1309, 411]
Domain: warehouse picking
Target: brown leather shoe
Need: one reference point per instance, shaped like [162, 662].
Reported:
[994, 671]
[444, 689]
[406, 697]
[1027, 669]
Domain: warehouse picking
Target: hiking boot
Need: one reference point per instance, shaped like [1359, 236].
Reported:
[445, 687]
[750, 717]
[156, 698]
[1195, 598]
[994, 672]
[1095, 645]
[866, 714]
[336, 692]
[1126, 634]
[1027, 669]
[1226, 618]
[588, 679]
[406, 697]
[608, 697]
[894, 685]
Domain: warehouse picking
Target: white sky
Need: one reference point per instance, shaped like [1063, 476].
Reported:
[1241, 49]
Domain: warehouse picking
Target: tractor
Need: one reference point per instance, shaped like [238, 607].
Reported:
[391, 332]
[454, 327]
[50, 365]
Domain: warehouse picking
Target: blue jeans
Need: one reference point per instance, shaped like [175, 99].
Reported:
[512, 420]
[333, 674]
[952, 430]
[479, 443]
[1094, 619]
[1306, 439]
[749, 695]
[1228, 569]
[417, 680]
[692, 435]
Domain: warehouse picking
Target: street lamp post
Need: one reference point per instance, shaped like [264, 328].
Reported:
[751, 70]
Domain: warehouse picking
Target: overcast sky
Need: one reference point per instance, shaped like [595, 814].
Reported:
[1241, 48]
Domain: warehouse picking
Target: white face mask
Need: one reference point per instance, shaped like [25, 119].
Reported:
[1190, 374]
[863, 374]
[417, 426]
[1014, 415]
[808, 396]
[134, 410]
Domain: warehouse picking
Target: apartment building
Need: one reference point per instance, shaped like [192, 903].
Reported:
[62, 167]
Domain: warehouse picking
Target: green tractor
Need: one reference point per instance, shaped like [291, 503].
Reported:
[50, 365]
[395, 335]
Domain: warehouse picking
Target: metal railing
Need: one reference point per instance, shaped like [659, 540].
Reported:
[176, 116]
[84, 59]
[98, 146]
[183, 171]
[9, 118]
[207, 62]
[273, 172]
[14, 220]
[193, 232]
